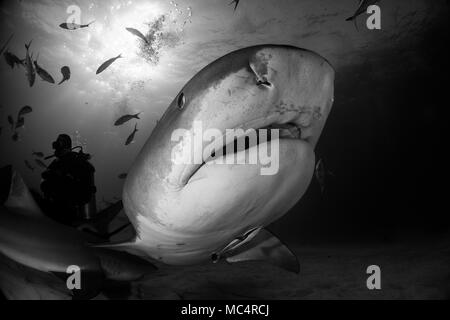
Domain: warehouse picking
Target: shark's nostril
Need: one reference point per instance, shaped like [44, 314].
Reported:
[215, 258]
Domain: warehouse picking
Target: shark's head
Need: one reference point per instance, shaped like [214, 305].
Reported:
[182, 211]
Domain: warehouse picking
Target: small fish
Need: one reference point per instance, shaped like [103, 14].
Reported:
[74, 26]
[65, 71]
[125, 119]
[122, 176]
[138, 34]
[11, 122]
[236, 2]
[11, 59]
[15, 137]
[321, 174]
[106, 64]
[131, 137]
[40, 163]
[43, 74]
[38, 154]
[362, 8]
[29, 69]
[25, 110]
[20, 123]
[6, 43]
[29, 166]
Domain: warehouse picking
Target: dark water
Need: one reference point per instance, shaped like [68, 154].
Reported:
[385, 143]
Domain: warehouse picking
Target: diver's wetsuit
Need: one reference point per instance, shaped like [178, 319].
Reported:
[68, 186]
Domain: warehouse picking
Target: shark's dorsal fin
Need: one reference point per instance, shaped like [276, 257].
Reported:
[265, 247]
[20, 199]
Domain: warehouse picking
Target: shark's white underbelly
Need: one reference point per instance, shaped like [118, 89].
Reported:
[223, 202]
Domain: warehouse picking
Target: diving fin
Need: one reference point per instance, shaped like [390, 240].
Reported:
[265, 247]
[100, 223]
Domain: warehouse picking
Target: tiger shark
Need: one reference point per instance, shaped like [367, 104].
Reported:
[188, 213]
[191, 213]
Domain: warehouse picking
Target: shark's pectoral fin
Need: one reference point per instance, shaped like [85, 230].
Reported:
[131, 247]
[265, 247]
[122, 266]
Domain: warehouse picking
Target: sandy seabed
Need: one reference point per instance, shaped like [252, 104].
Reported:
[408, 271]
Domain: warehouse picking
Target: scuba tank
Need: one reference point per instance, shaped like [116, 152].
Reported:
[89, 210]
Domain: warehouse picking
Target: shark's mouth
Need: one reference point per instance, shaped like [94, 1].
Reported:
[258, 136]
[252, 138]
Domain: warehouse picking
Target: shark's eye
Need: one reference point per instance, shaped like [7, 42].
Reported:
[263, 82]
[181, 101]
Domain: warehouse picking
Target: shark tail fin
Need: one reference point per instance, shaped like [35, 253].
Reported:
[350, 18]
[265, 247]
[137, 115]
[27, 46]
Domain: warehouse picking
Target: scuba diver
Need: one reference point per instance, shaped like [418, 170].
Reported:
[68, 184]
